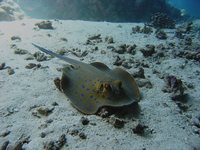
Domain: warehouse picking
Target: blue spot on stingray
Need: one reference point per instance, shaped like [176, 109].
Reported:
[82, 95]
[83, 86]
[87, 89]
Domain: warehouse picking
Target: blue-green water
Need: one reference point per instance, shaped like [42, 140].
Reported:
[192, 7]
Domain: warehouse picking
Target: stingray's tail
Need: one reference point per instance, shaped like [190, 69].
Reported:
[69, 60]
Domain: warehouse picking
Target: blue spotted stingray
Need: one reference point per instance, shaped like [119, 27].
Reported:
[91, 86]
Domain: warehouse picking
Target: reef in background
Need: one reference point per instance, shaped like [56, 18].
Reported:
[98, 10]
[9, 11]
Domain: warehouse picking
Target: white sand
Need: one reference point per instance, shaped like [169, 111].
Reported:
[28, 87]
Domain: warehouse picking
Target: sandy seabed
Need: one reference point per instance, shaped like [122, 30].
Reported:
[27, 90]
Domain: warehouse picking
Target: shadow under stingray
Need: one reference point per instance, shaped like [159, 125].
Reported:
[129, 111]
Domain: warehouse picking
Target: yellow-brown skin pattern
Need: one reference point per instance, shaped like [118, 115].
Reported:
[91, 86]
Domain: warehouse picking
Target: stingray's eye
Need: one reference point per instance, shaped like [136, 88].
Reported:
[107, 86]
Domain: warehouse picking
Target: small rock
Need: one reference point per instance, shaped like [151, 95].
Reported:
[61, 51]
[160, 34]
[118, 61]
[20, 51]
[14, 46]
[74, 132]
[49, 121]
[44, 111]
[59, 69]
[84, 121]
[179, 34]
[173, 85]
[120, 49]
[139, 74]
[119, 26]
[190, 85]
[95, 37]
[82, 135]
[148, 51]
[183, 107]
[103, 112]
[88, 42]
[50, 146]
[84, 53]
[10, 71]
[131, 49]
[144, 83]
[146, 30]
[136, 29]
[2, 66]
[80, 54]
[30, 66]
[139, 129]
[57, 83]
[29, 57]
[126, 65]
[54, 104]
[103, 52]
[96, 48]
[40, 56]
[110, 47]
[64, 39]
[44, 25]
[160, 54]
[117, 123]
[196, 122]
[61, 141]
[49, 35]
[5, 133]
[197, 131]
[109, 39]
[188, 41]
[43, 134]
[189, 55]
[13, 38]
[161, 47]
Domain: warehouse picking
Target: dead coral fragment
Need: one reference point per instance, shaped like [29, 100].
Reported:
[139, 73]
[123, 48]
[149, 50]
[94, 39]
[189, 55]
[117, 123]
[32, 65]
[10, 71]
[84, 121]
[139, 129]
[109, 39]
[44, 25]
[82, 135]
[2, 66]
[174, 86]
[40, 56]
[17, 38]
[146, 29]
[20, 51]
[160, 34]
[44, 111]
